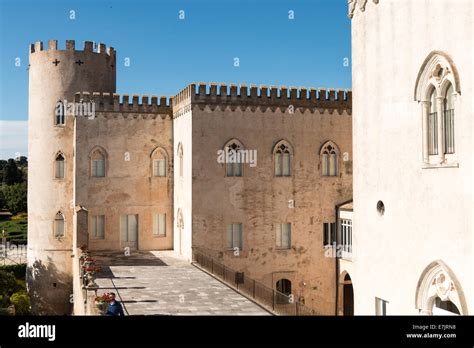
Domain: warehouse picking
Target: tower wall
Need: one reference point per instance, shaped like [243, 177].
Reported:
[428, 212]
[56, 75]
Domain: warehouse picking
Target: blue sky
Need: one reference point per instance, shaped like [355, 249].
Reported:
[166, 53]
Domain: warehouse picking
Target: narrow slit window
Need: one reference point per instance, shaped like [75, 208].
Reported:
[59, 166]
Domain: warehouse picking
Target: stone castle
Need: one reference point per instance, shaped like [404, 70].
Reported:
[144, 173]
[148, 173]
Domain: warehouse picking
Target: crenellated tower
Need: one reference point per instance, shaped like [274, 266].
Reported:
[54, 77]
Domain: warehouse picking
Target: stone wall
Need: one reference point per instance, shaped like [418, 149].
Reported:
[128, 138]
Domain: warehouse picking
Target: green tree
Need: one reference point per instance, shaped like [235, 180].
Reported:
[2, 198]
[21, 301]
[15, 197]
[8, 284]
[11, 173]
[22, 161]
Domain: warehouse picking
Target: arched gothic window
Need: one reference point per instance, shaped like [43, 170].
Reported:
[98, 162]
[282, 154]
[439, 291]
[234, 151]
[329, 159]
[59, 114]
[59, 166]
[437, 89]
[59, 227]
[159, 162]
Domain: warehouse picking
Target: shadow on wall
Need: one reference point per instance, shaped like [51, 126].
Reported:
[50, 290]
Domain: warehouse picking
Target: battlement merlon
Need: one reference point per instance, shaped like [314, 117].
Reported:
[100, 48]
[120, 103]
[269, 96]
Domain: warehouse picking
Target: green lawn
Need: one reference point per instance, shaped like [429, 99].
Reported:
[15, 228]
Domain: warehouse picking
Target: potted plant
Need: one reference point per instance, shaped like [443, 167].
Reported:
[102, 302]
[92, 269]
[88, 261]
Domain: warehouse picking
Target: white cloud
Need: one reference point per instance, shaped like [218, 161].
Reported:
[13, 139]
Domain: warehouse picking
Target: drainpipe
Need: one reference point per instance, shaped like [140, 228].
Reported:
[337, 261]
[337, 257]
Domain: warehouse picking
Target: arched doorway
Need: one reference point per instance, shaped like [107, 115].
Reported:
[348, 296]
[283, 286]
[439, 292]
[444, 307]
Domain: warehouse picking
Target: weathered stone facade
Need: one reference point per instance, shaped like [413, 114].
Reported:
[259, 199]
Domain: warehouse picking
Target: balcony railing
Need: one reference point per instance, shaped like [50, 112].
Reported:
[346, 252]
[275, 301]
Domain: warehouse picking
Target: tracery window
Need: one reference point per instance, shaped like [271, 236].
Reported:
[282, 154]
[437, 89]
[329, 159]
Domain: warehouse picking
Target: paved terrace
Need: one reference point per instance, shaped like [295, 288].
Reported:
[159, 282]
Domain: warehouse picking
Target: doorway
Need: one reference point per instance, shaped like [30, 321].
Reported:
[348, 296]
[129, 231]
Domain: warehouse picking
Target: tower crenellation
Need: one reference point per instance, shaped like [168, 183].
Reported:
[124, 103]
[253, 95]
[70, 46]
[264, 97]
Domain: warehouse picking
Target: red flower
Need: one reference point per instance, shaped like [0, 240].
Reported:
[104, 298]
